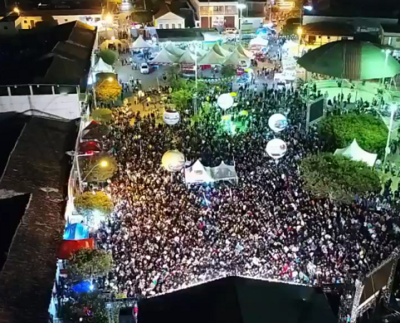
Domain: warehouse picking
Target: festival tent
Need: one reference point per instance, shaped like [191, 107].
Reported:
[237, 59]
[244, 52]
[258, 42]
[187, 58]
[199, 51]
[95, 133]
[69, 247]
[174, 50]
[164, 57]
[212, 58]
[223, 172]
[102, 67]
[89, 147]
[355, 152]
[76, 231]
[198, 173]
[140, 43]
[220, 51]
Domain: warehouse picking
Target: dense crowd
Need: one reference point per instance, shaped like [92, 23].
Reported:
[165, 235]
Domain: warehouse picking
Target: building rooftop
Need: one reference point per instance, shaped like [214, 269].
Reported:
[10, 18]
[329, 29]
[57, 55]
[37, 164]
[182, 35]
[356, 11]
[395, 29]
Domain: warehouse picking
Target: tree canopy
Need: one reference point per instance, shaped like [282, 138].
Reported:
[107, 90]
[102, 115]
[290, 27]
[337, 177]
[93, 168]
[89, 263]
[88, 202]
[108, 56]
[228, 71]
[369, 131]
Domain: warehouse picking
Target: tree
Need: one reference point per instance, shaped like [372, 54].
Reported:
[337, 177]
[107, 90]
[87, 264]
[85, 307]
[369, 131]
[142, 17]
[99, 168]
[181, 98]
[87, 202]
[108, 56]
[102, 115]
[290, 27]
[228, 71]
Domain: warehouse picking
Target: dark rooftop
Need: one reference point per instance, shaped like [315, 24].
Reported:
[10, 18]
[357, 11]
[37, 163]
[391, 28]
[182, 34]
[61, 12]
[329, 28]
[57, 55]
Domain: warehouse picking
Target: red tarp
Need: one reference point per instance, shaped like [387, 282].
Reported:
[68, 247]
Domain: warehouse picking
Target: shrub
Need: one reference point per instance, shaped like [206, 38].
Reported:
[89, 263]
[88, 202]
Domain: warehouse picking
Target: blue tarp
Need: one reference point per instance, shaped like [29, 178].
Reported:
[83, 287]
[76, 231]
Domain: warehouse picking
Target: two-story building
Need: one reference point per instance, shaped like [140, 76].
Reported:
[390, 36]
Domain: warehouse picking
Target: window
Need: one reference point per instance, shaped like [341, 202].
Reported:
[311, 39]
[173, 26]
[231, 10]
[160, 26]
[218, 10]
[319, 37]
[329, 37]
[179, 25]
[166, 26]
[97, 19]
[344, 38]
[65, 20]
[25, 21]
[205, 10]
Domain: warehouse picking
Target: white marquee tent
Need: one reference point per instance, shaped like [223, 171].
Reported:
[198, 173]
[237, 59]
[212, 58]
[224, 172]
[355, 152]
[188, 58]
[164, 57]
[221, 51]
[102, 67]
[244, 52]
[140, 43]
[174, 50]
[258, 42]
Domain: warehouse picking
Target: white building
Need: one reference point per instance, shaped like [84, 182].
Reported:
[166, 19]
[390, 36]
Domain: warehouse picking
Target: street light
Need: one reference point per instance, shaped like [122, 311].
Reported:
[16, 10]
[102, 164]
[299, 32]
[109, 19]
[240, 6]
[393, 109]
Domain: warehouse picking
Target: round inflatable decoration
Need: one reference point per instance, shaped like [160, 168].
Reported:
[277, 122]
[171, 117]
[276, 148]
[173, 160]
[225, 101]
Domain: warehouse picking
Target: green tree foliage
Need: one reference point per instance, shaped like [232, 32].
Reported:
[228, 71]
[102, 115]
[107, 90]
[76, 310]
[337, 177]
[108, 56]
[369, 131]
[89, 263]
[88, 202]
[142, 17]
[94, 171]
[181, 98]
[290, 27]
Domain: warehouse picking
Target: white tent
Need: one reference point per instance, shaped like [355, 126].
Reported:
[200, 52]
[102, 67]
[244, 52]
[224, 172]
[355, 152]
[237, 59]
[198, 173]
[258, 42]
[188, 58]
[220, 51]
[164, 57]
[212, 58]
[140, 43]
[172, 49]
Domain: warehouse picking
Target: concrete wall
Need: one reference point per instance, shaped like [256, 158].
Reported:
[63, 105]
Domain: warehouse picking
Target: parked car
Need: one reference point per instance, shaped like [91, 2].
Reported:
[144, 68]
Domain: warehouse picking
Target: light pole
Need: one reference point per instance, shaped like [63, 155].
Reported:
[102, 164]
[240, 6]
[299, 32]
[76, 156]
[108, 79]
[393, 109]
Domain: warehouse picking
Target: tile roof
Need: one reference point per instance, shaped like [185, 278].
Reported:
[38, 161]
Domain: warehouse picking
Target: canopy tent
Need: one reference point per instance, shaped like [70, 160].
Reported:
[140, 43]
[68, 247]
[164, 57]
[89, 147]
[96, 133]
[244, 52]
[224, 172]
[174, 50]
[240, 300]
[258, 42]
[76, 231]
[237, 59]
[198, 173]
[102, 67]
[199, 51]
[350, 59]
[355, 152]
[212, 58]
[220, 51]
[188, 58]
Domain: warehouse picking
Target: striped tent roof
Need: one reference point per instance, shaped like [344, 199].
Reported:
[349, 59]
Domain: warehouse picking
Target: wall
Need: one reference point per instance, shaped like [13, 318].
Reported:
[256, 22]
[170, 21]
[391, 40]
[10, 27]
[63, 105]
[322, 40]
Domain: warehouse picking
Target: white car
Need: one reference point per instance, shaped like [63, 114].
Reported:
[144, 68]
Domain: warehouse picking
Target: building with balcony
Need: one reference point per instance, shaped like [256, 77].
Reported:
[390, 36]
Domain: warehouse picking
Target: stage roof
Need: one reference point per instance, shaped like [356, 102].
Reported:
[239, 300]
[350, 59]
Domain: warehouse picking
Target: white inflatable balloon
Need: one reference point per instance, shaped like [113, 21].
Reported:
[277, 122]
[225, 101]
[171, 117]
[276, 148]
[173, 160]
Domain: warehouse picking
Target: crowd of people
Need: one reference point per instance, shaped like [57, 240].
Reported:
[165, 235]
